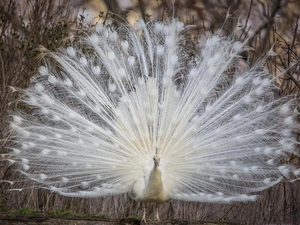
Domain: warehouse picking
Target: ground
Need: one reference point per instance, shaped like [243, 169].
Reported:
[15, 219]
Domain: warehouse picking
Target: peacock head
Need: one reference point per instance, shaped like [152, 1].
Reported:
[156, 160]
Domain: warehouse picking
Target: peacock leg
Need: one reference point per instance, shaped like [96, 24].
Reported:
[156, 213]
[144, 215]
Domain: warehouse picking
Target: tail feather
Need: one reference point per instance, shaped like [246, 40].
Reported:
[101, 111]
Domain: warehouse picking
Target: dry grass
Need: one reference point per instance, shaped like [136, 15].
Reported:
[25, 27]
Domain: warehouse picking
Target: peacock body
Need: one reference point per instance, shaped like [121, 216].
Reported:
[130, 111]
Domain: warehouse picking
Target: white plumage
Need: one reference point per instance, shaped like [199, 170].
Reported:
[102, 111]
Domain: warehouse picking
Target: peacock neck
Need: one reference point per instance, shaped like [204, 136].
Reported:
[154, 190]
[155, 178]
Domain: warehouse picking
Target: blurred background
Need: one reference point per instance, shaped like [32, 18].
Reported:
[26, 25]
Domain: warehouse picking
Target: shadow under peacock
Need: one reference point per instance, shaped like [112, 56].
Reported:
[135, 110]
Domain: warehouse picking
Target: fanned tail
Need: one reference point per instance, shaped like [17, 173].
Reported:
[101, 111]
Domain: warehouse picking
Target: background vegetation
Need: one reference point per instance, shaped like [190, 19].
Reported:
[28, 24]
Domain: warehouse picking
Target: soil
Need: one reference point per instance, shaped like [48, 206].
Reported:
[13, 219]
